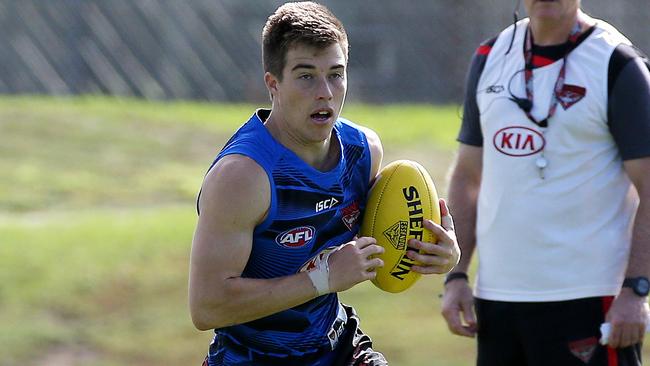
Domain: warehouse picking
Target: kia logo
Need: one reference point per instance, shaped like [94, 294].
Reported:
[518, 141]
[296, 237]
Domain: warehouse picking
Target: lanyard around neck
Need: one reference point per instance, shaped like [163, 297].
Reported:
[559, 83]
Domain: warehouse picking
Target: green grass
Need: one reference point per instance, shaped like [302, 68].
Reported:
[109, 283]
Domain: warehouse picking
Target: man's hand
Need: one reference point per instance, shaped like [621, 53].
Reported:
[628, 317]
[352, 263]
[458, 299]
[440, 257]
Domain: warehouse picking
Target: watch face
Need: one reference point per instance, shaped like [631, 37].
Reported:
[642, 286]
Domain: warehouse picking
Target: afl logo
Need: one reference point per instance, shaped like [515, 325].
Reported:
[296, 237]
[518, 141]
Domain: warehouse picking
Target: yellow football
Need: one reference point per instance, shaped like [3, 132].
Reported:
[402, 196]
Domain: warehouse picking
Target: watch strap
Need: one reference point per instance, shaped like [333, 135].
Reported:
[629, 282]
[456, 275]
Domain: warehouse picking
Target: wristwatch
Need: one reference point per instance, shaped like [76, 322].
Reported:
[640, 285]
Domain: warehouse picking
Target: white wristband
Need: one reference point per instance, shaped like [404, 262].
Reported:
[320, 274]
[320, 279]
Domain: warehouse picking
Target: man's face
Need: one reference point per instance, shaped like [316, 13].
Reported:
[310, 96]
[553, 10]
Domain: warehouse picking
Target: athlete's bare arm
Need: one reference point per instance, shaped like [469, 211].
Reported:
[235, 198]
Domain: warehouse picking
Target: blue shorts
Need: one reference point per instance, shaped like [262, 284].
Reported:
[353, 348]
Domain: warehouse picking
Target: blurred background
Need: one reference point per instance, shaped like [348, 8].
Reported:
[110, 113]
[401, 51]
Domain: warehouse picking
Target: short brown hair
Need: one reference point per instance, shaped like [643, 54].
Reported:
[306, 23]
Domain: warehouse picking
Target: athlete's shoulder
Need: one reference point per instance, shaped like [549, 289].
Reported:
[233, 183]
[249, 153]
[235, 168]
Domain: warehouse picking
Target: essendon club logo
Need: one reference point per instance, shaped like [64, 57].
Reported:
[518, 141]
[350, 214]
[570, 95]
[296, 237]
[584, 349]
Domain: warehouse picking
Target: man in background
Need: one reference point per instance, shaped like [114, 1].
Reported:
[552, 187]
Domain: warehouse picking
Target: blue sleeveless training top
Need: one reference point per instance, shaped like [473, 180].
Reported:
[310, 211]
